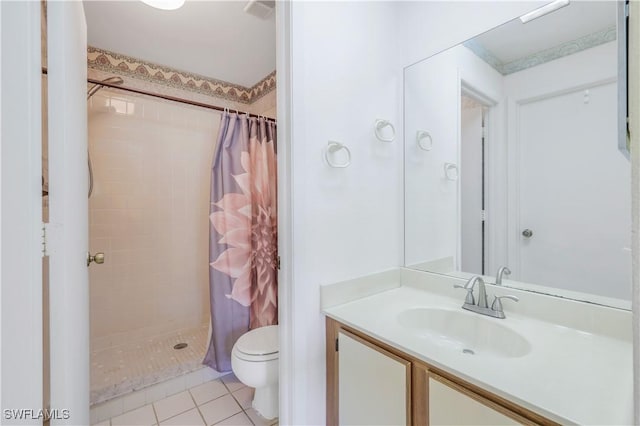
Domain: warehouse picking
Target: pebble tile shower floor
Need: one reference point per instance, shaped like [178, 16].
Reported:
[225, 401]
[121, 369]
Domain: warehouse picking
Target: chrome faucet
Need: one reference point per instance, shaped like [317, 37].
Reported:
[503, 270]
[481, 306]
[482, 292]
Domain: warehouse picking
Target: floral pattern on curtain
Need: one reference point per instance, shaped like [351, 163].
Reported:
[243, 234]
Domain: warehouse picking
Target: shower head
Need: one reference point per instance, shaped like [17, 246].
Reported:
[98, 86]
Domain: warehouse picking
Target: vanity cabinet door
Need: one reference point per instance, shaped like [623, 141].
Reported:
[451, 404]
[374, 386]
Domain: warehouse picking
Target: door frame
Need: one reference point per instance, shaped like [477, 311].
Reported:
[491, 148]
[68, 211]
[289, 398]
[634, 127]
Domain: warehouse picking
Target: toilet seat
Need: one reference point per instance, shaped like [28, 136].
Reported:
[258, 345]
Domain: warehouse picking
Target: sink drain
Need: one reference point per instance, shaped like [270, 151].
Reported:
[468, 351]
[180, 346]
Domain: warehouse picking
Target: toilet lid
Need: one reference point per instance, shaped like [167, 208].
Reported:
[259, 341]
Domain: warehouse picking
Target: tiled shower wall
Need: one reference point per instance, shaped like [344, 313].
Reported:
[149, 215]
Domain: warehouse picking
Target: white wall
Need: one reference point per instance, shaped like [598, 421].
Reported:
[346, 71]
[346, 222]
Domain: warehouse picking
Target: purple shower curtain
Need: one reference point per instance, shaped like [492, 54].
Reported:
[243, 234]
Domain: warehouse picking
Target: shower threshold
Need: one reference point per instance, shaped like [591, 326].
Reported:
[118, 370]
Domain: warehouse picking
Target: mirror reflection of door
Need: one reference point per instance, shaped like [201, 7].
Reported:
[472, 185]
[574, 195]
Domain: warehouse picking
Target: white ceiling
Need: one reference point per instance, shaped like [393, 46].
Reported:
[515, 40]
[215, 39]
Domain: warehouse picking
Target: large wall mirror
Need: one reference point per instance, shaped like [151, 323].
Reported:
[515, 156]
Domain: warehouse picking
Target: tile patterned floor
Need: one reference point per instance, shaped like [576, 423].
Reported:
[118, 370]
[225, 401]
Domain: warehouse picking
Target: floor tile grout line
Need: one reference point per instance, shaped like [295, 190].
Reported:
[236, 399]
[198, 407]
[209, 400]
[225, 385]
[182, 412]
[242, 410]
[233, 396]
[227, 418]
[215, 399]
[236, 390]
[248, 416]
[153, 407]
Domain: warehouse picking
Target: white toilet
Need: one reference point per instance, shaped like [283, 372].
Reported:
[254, 361]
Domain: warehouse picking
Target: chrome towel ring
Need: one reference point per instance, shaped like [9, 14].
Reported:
[451, 171]
[332, 148]
[381, 124]
[424, 140]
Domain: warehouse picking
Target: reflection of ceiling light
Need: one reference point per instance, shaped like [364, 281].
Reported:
[165, 4]
[547, 8]
[262, 9]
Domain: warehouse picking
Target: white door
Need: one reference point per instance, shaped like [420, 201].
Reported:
[373, 384]
[68, 186]
[574, 199]
[21, 200]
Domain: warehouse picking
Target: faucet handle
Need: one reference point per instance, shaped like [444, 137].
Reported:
[469, 299]
[497, 302]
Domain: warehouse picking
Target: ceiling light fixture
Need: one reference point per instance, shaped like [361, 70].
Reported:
[164, 4]
[547, 8]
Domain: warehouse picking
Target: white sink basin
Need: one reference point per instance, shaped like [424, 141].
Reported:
[465, 331]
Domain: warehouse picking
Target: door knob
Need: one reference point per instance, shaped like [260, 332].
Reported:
[527, 233]
[97, 258]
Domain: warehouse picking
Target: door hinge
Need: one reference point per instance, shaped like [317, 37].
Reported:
[626, 9]
[483, 215]
[43, 236]
[278, 262]
[337, 345]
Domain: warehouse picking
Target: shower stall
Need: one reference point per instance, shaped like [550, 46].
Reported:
[150, 165]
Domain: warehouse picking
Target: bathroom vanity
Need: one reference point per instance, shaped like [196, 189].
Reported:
[401, 350]
[397, 388]
[515, 164]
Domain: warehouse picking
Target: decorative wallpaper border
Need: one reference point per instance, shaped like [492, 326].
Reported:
[127, 66]
[565, 49]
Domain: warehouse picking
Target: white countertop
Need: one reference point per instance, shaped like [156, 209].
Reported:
[569, 375]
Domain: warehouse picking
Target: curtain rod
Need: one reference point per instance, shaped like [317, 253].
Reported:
[169, 98]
